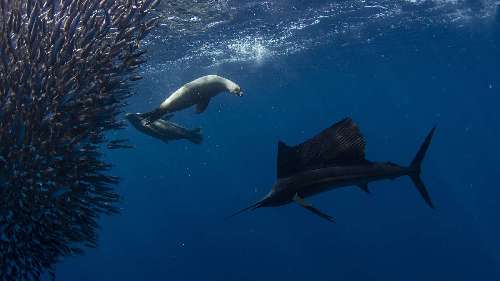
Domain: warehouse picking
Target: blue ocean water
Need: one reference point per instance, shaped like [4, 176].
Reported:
[396, 77]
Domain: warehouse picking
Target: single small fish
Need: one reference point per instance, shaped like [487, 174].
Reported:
[135, 62]
[34, 15]
[118, 144]
[64, 4]
[135, 77]
[73, 26]
[334, 158]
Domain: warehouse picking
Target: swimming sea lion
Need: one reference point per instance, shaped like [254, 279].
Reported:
[197, 92]
[163, 129]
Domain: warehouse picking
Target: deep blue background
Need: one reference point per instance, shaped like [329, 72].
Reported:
[396, 88]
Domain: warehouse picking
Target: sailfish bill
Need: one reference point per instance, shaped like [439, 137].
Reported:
[249, 208]
[332, 159]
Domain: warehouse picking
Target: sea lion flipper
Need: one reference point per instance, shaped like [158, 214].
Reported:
[195, 136]
[311, 208]
[151, 116]
[202, 105]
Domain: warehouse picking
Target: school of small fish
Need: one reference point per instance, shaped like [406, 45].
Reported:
[65, 70]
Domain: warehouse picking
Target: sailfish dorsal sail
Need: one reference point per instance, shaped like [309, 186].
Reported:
[340, 144]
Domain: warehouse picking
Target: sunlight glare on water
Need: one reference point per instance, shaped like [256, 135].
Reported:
[219, 32]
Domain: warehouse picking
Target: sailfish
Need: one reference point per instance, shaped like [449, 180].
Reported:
[332, 159]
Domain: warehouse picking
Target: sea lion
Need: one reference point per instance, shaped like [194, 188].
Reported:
[163, 129]
[197, 92]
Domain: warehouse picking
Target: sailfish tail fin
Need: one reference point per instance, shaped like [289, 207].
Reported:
[415, 168]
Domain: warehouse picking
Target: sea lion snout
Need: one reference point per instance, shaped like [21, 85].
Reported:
[131, 116]
[134, 118]
[236, 91]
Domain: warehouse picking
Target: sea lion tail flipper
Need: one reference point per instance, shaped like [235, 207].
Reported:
[202, 105]
[195, 136]
[311, 208]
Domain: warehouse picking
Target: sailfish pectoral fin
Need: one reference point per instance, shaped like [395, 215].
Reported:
[364, 187]
[311, 208]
